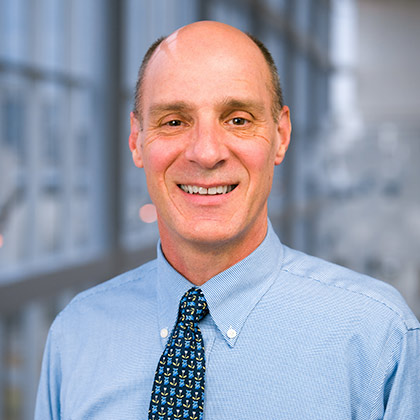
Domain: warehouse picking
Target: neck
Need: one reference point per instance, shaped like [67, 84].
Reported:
[200, 262]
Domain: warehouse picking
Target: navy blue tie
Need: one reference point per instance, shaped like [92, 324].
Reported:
[178, 389]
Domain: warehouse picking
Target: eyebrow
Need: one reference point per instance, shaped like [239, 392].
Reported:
[176, 106]
[245, 104]
[226, 103]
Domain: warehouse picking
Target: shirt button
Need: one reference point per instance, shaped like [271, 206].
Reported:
[231, 333]
[164, 332]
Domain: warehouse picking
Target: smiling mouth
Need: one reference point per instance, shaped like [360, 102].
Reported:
[194, 189]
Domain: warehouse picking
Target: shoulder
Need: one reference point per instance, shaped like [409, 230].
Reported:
[350, 291]
[133, 278]
[133, 288]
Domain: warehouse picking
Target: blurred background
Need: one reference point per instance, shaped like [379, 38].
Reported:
[74, 210]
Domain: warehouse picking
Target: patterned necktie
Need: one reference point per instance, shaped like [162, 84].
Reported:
[178, 389]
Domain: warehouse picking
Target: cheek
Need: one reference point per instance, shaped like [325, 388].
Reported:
[158, 157]
[257, 155]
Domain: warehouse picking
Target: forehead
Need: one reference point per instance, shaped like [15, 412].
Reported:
[203, 70]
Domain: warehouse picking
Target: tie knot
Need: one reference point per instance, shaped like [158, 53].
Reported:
[193, 305]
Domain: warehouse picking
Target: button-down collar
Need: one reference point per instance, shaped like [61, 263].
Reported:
[231, 295]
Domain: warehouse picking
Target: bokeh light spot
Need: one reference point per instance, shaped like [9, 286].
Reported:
[147, 213]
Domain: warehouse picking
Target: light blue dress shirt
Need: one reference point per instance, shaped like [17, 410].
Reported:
[289, 337]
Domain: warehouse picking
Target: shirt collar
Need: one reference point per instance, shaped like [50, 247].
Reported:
[231, 295]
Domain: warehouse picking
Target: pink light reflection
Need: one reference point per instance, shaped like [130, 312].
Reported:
[147, 213]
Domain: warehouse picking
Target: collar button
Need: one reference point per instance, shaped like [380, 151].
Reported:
[231, 333]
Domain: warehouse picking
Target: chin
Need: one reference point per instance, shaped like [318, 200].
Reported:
[208, 231]
[213, 233]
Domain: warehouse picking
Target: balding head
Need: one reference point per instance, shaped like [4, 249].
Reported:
[210, 38]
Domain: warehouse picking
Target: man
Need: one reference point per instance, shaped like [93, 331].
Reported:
[279, 335]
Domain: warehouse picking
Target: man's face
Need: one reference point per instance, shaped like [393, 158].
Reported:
[208, 141]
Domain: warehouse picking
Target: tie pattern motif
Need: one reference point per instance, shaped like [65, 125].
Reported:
[178, 389]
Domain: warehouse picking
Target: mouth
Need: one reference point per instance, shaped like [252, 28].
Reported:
[218, 190]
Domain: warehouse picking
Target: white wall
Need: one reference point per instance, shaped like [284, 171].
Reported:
[389, 59]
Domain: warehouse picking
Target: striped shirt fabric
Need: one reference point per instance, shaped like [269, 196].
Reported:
[288, 337]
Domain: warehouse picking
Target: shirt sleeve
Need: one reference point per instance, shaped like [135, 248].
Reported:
[48, 398]
[403, 386]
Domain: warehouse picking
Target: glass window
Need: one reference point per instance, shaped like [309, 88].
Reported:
[47, 140]
[13, 160]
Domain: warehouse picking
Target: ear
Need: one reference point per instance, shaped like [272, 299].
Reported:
[134, 141]
[284, 129]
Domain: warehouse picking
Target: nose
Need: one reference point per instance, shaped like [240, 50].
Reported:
[207, 146]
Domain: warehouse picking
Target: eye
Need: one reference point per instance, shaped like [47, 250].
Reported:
[238, 121]
[173, 123]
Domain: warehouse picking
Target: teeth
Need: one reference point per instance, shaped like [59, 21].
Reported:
[194, 189]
